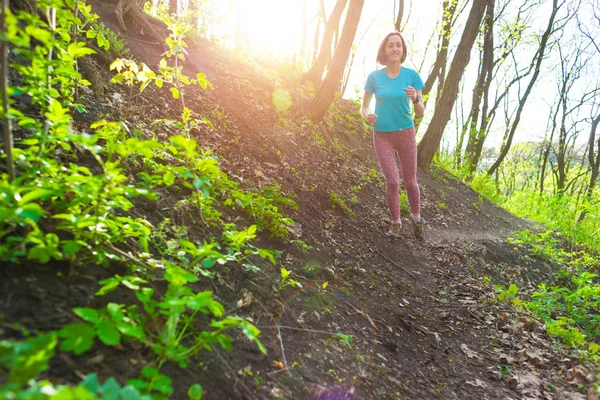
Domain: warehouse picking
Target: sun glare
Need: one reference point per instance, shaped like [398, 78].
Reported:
[266, 28]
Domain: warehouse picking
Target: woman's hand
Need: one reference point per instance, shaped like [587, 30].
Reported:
[368, 115]
[371, 118]
[364, 110]
[411, 92]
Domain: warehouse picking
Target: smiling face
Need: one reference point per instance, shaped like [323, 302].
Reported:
[394, 49]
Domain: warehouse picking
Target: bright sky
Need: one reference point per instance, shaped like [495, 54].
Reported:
[273, 28]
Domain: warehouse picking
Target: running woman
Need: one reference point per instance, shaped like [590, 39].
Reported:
[395, 87]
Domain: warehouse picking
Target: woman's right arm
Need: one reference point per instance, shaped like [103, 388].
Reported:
[365, 111]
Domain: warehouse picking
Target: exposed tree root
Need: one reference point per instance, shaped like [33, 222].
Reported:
[132, 10]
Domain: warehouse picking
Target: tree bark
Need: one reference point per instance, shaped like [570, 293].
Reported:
[315, 51]
[133, 8]
[442, 55]
[439, 66]
[347, 74]
[330, 85]
[400, 15]
[7, 130]
[536, 73]
[431, 141]
[594, 160]
[315, 74]
[304, 31]
[481, 92]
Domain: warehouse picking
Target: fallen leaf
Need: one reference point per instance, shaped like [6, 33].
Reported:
[468, 352]
[245, 300]
[594, 393]
[438, 339]
[279, 364]
[505, 358]
[477, 383]
[526, 383]
[533, 355]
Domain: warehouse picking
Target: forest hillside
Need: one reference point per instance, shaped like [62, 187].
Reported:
[207, 237]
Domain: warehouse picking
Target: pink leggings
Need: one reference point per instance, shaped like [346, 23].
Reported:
[386, 145]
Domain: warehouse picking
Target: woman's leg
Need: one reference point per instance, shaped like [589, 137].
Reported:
[386, 154]
[406, 145]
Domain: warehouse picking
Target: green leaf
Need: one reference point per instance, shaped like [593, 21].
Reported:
[77, 50]
[73, 393]
[268, 254]
[200, 300]
[26, 360]
[129, 393]
[195, 392]
[91, 383]
[79, 337]
[252, 333]
[88, 314]
[169, 178]
[108, 334]
[30, 211]
[149, 372]
[179, 276]
[189, 145]
[131, 330]
[225, 342]
[39, 253]
[132, 282]
[110, 389]
[35, 194]
[37, 33]
[216, 308]
[115, 311]
[109, 285]
[175, 92]
[118, 64]
[71, 247]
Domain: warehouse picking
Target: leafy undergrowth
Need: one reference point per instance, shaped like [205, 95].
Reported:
[72, 201]
[570, 308]
[570, 305]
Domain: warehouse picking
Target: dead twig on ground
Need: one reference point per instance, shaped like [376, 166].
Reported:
[390, 260]
[232, 371]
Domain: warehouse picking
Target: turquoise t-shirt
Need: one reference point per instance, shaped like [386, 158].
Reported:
[392, 104]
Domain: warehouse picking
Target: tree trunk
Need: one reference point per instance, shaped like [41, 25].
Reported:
[316, 42]
[132, 8]
[431, 141]
[536, 73]
[449, 9]
[315, 74]
[304, 32]
[399, 16]
[594, 160]
[331, 83]
[347, 74]
[7, 129]
[481, 92]
[439, 66]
